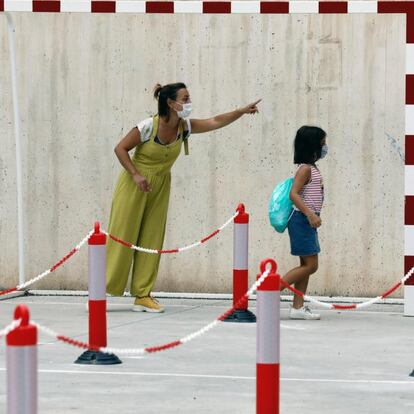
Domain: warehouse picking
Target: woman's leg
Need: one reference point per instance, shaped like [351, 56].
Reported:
[125, 220]
[145, 267]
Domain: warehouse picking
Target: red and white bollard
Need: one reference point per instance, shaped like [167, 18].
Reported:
[241, 268]
[268, 341]
[97, 302]
[22, 365]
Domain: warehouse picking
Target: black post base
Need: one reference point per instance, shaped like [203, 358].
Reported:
[97, 358]
[412, 374]
[242, 316]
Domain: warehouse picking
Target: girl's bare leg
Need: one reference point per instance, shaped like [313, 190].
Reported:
[301, 286]
[299, 276]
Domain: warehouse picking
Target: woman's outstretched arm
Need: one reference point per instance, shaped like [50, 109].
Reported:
[199, 126]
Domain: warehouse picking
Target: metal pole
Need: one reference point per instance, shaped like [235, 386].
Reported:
[19, 174]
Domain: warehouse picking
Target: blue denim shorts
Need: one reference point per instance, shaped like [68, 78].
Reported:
[303, 238]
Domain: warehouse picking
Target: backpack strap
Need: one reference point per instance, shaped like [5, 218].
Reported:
[155, 122]
[185, 139]
[186, 151]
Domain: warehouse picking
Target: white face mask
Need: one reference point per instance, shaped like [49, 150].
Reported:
[185, 113]
[324, 151]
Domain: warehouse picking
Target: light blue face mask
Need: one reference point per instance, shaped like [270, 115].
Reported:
[186, 111]
[324, 151]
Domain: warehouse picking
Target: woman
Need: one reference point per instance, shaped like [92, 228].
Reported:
[140, 201]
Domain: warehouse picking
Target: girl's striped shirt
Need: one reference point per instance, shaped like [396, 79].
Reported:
[313, 193]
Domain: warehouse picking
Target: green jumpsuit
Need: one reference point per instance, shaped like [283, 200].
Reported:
[140, 218]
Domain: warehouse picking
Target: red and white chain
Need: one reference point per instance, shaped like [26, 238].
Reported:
[10, 327]
[49, 271]
[353, 305]
[203, 330]
[141, 249]
[142, 351]
[180, 249]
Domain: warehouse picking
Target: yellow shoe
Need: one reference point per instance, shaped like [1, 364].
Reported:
[147, 304]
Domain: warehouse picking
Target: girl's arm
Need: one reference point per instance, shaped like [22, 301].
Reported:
[199, 126]
[302, 177]
[130, 141]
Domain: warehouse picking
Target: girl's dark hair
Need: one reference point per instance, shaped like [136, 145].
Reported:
[308, 144]
[162, 93]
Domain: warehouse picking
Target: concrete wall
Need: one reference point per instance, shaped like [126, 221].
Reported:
[85, 80]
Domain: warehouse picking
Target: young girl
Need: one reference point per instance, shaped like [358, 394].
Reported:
[307, 196]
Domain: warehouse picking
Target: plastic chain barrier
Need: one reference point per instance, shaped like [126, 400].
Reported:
[141, 249]
[9, 328]
[180, 249]
[49, 271]
[354, 305]
[141, 351]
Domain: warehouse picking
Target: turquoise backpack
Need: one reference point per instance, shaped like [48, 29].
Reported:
[280, 206]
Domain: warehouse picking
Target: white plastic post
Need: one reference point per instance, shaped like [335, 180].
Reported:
[240, 257]
[97, 303]
[22, 365]
[241, 268]
[97, 288]
[268, 341]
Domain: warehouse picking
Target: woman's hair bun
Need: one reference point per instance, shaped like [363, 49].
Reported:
[157, 90]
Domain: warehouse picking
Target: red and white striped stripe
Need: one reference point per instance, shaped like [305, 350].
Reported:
[49, 271]
[169, 251]
[199, 7]
[354, 305]
[409, 163]
[204, 7]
